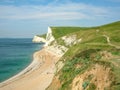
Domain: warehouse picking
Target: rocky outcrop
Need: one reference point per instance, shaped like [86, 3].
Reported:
[54, 47]
[38, 39]
[59, 50]
[70, 40]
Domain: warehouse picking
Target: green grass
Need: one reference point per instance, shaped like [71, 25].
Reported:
[91, 34]
[85, 59]
[62, 31]
[93, 40]
[92, 43]
[74, 50]
[115, 52]
[70, 69]
[116, 82]
[113, 31]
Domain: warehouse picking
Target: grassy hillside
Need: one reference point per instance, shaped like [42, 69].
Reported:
[61, 31]
[99, 51]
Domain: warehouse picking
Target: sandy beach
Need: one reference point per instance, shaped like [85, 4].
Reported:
[37, 76]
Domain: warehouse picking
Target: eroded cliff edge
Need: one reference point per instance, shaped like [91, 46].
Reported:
[92, 58]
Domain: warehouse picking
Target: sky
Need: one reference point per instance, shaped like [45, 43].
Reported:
[26, 18]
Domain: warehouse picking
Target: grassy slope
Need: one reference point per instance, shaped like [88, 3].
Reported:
[93, 42]
[61, 31]
[113, 31]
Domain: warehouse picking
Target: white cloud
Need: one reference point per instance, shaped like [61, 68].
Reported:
[70, 11]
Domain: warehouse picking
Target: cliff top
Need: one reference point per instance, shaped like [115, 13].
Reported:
[91, 64]
[62, 31]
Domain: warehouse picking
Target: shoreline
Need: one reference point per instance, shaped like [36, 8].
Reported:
[42, 67]
[17, 76]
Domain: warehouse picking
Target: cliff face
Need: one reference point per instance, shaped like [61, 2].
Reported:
[49, 37]
[52, 45]
[38, 39]
[90, 58]
[61, 44]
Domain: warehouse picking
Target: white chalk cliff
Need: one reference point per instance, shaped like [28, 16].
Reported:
[54, 47]
[49, 37]
[38, 39]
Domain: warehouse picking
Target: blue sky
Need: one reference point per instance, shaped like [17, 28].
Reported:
[26, 18]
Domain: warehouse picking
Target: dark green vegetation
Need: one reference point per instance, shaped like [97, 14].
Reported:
[93, 49]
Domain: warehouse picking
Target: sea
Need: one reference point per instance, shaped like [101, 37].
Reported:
[16, 55]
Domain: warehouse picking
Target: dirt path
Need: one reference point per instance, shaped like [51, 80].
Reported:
[109, 42]
[37, 76]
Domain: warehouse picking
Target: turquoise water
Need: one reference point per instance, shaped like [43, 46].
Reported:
[15, 55]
